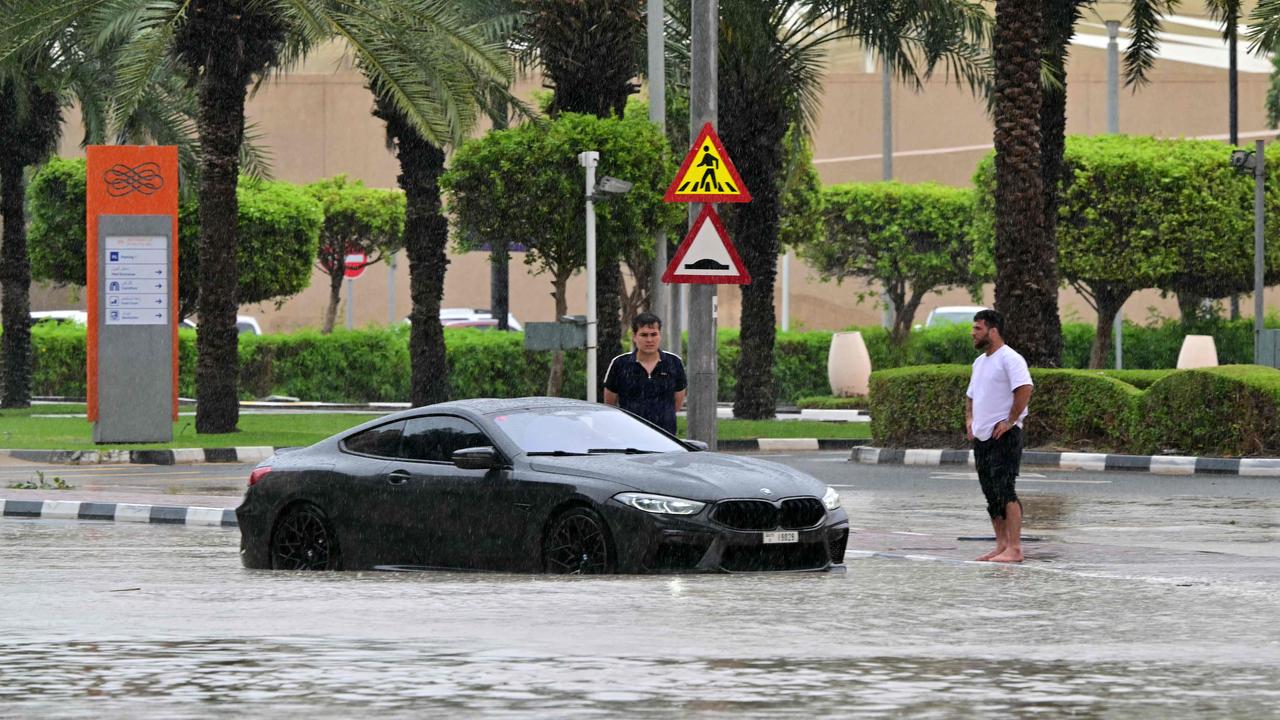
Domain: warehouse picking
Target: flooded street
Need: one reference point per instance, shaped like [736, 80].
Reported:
[107, 619]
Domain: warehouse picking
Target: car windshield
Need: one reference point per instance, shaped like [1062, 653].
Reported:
[581, 431]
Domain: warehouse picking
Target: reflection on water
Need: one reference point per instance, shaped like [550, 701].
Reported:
[325, 678]
[107, 620]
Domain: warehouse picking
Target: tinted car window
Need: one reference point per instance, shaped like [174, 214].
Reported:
[580, 430]
[436, 437]
[383, 441]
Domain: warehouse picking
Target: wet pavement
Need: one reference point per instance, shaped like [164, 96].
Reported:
[1139, 599]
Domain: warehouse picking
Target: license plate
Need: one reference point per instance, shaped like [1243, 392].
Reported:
[781, 536]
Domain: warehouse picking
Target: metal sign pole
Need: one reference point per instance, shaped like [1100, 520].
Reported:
[1259, 172]
[589, 160]
[659, 295]
[704, 36]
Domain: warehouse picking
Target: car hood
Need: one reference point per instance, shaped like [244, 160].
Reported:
[703, 476]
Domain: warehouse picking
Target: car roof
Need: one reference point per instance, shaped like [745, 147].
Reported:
[958, 308]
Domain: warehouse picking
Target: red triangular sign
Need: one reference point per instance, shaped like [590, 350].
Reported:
[707, 174]
[707, 256]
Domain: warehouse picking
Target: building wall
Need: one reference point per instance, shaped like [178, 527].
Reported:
[316, 123]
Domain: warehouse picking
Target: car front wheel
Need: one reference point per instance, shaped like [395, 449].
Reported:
[577, 543]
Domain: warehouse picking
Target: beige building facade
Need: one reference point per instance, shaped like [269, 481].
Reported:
[316, 122]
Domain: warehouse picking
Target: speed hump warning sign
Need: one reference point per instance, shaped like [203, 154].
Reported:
[707, 174]
[706, 256]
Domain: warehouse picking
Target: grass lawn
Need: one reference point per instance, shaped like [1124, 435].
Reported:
[19, 430]
[752, 429]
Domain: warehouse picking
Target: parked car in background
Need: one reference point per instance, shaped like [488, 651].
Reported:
[245, 325]
[77, 317]
[474, 317]
[952, 315]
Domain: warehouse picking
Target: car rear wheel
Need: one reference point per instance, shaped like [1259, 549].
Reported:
[577, 543]
[304, 540]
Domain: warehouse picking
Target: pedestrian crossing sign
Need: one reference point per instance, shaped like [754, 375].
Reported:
[707, 174]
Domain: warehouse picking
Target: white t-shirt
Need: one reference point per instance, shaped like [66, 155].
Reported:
[991, 387]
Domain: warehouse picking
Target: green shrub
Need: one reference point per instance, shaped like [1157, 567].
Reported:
[1081, 410]
[923, 406]
[1141, 379]
[799, 364]
[1230, 410]
[920, 406]
[58, 360]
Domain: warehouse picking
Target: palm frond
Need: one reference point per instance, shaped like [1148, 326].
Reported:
[1145, 19]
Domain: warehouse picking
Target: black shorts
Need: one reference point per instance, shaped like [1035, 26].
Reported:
[998, 462]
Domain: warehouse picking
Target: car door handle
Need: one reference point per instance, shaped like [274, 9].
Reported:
[399, 477]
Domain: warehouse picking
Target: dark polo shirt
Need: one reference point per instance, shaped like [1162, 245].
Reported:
[651, 396]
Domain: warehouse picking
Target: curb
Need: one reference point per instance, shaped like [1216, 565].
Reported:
[1097, 462]
[180, 456]
[118, 512]
[791, 444]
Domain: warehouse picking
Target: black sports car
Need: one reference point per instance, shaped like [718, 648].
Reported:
[532, 484]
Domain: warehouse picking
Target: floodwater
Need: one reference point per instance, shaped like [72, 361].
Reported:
[106, 620]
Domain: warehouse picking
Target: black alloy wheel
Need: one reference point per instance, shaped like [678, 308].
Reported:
[303, 540]
[577, 543]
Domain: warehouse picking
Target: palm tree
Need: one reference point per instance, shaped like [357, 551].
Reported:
[468, 82]
[224, 46]
[772, 55]
[590, 52]
[30, 120]
[1026, 256]
[36, 86]
[1058, 27]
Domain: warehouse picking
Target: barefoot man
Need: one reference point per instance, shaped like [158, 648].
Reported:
[995, 405]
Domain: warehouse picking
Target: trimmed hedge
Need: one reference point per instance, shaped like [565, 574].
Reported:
[924, 407]
[1229, 410]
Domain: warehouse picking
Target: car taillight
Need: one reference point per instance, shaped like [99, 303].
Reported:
[258, 474]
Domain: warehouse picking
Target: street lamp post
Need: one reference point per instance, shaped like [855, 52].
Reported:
[1253, 162]
[595, 192]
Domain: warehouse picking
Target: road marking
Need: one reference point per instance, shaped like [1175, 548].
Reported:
[972, 476]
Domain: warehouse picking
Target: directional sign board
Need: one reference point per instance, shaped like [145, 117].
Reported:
[707, 174]
[706, 256]
[131, 261]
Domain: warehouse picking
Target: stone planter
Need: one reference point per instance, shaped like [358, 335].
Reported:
[1197, 351]
[848, 365]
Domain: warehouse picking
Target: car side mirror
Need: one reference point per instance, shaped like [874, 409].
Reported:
[695, 445]
[477, 458]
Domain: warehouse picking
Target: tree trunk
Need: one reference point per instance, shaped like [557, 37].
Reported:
[335, 297]
[1026, 258]
[426, 239]
[1058, 27]
[500, 282]
[755, 230]
[1109, 299]
[904, 315]
[15, 298]
[221, 91]
[555, 381]
[609, 317]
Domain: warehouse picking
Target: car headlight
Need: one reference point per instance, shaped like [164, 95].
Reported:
[660, 504]
[831, 498]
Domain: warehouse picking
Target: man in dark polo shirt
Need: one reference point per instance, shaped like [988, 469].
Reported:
[647, 381]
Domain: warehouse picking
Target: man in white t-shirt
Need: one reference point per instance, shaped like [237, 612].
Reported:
[995, 406]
